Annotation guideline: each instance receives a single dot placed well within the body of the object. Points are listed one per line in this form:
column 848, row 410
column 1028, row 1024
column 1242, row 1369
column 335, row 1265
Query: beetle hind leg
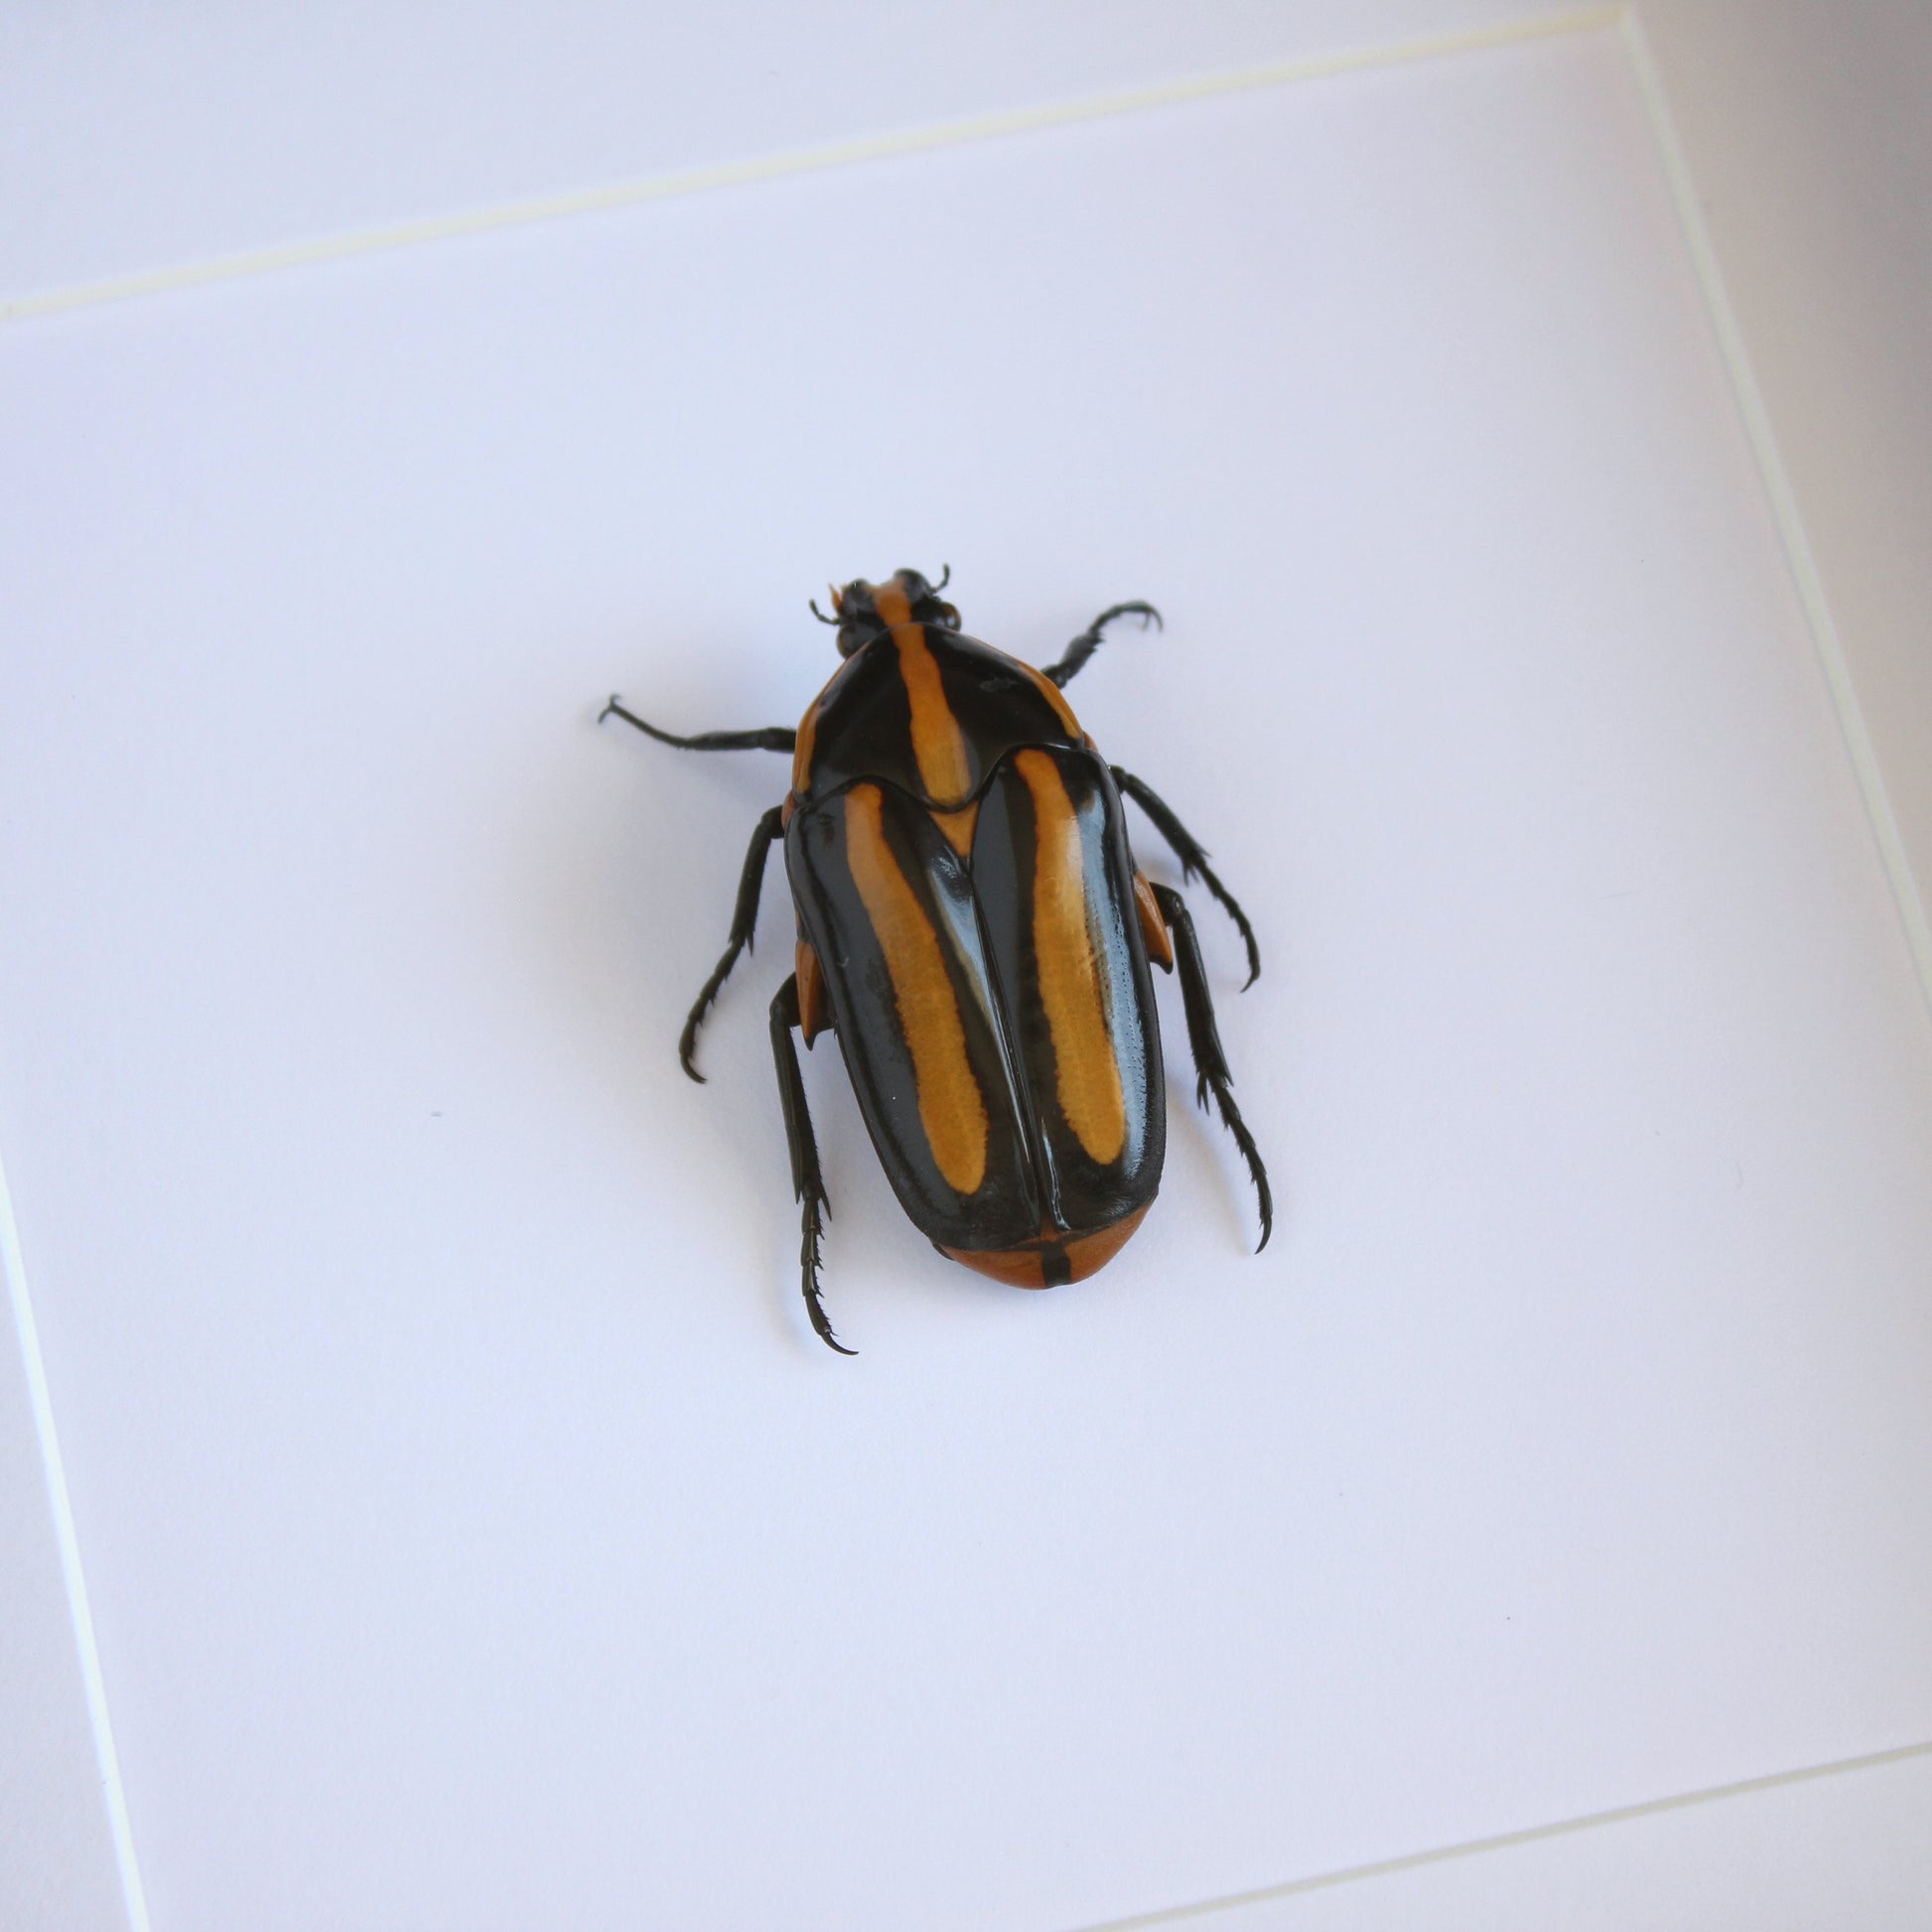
column 807, row 1183
column 745, row 918
column 1205, row 1040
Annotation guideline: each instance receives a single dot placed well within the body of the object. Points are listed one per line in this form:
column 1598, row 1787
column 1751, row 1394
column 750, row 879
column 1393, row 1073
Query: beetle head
column 866, row 610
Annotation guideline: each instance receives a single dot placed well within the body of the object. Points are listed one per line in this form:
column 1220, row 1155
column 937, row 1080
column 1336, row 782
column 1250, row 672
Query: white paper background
column 474, row 1530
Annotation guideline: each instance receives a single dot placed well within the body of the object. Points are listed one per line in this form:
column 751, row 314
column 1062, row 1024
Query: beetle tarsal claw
column 808, row 1261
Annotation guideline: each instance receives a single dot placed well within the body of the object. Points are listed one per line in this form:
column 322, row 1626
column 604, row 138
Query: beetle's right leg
column 1193, row 859
column 745, row 918
column 1205, row 1040
column 1088, row 642
column 807, row 1183
column 773, row 738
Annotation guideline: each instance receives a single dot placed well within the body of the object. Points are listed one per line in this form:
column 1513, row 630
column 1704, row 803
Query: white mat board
column 474, row 1531
column 144, row 139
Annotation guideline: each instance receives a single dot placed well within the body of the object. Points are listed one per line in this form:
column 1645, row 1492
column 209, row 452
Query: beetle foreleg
column 745, row 918
column 773, row 738
column 807, row 1183
column 1193, row 859
column 1088, row 642
column 1205, row 1040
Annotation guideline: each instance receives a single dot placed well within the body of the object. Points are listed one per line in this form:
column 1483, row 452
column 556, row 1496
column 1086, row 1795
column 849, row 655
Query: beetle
column 972, row 925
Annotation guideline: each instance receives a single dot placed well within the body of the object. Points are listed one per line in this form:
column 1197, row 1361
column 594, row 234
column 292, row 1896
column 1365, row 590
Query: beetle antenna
column 812, row 604
column 945, row 577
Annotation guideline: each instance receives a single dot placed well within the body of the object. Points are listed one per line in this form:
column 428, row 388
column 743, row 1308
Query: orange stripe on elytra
column 1070, row 978
column 945, row 768
column 951, row 1108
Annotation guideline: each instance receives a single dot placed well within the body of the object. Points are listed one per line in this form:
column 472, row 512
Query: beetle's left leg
column 807, row 1183
column 771, row 738
column 1088, row 642
column 1204, row 1040
column 745, row 918
column 1193, row 859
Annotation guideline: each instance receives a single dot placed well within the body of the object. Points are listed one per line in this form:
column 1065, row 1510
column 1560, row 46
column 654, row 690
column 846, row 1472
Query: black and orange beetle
column 972, row 927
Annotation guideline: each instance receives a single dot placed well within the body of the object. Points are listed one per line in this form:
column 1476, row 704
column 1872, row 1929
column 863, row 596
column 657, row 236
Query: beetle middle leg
column 1205, row 1040
column 1193, row 859
column 807, row 1183
column 1088, row 642
column 745, row 918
